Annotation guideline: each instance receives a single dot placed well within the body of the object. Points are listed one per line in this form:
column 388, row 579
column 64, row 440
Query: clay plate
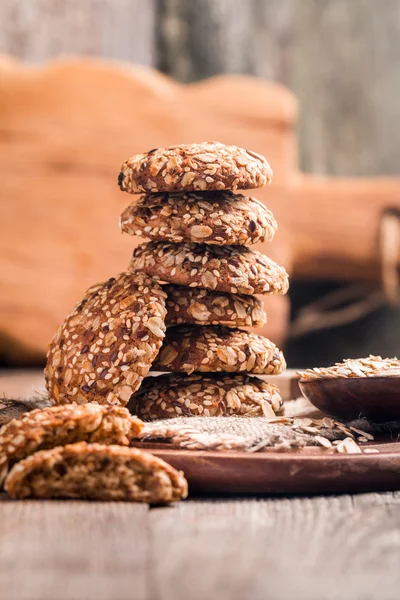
column 377, row 398
column 309, row 471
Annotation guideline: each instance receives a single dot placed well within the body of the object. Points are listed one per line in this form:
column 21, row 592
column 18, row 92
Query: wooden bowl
column 377, row 398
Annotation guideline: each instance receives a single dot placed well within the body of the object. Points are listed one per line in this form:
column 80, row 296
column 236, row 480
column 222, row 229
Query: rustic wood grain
column 304, row 548
column 204, row 38
column 345, row 72
column 39, row 29
column 339, row 57
column 320, row 548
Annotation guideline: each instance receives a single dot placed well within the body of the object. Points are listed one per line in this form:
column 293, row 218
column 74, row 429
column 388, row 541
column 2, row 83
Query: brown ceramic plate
column 377, row 398
column 309, row 471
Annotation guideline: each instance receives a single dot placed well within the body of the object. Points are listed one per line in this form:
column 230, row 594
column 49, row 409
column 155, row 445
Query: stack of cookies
column 199, row 231
column 179, row 308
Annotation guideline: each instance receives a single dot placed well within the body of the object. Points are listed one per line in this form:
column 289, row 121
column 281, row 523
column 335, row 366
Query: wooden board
column 60, row 155
column 309, row 471
column 321, row 548
column 71, row 142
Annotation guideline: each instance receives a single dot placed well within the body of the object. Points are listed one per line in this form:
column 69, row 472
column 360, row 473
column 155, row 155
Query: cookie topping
column 58, row 425
column 213, row 349
column 194, row 167
column 107, row 344
column 220, row 218
column 233, row 269
column 204, row 307
column 211, row 395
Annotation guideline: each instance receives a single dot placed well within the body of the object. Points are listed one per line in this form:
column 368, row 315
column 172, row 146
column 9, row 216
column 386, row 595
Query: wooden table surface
column 337, row 547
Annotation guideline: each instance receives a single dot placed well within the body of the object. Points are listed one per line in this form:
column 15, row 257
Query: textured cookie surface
column 196, row 306
column 221, row 218
column 209, row 349
column 59, row 425
column 234, row 269
column 175, row 395
column 191, row 167
column 106, row 346
column 97, row 472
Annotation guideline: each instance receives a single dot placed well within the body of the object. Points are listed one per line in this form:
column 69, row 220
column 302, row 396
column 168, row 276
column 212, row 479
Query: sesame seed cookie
column 175, row 395
column 194, row 167
column 233, row 269
column 58, row 425
column 221, row 218
column 96, row 472
column 195, row 306
column 106, row 346
column 211, row 349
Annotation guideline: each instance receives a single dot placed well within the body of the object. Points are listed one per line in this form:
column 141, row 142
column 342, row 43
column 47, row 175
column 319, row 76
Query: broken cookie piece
column 96, row 472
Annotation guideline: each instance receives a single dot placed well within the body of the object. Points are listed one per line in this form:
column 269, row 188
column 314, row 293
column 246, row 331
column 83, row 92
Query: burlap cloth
column 301, row 426
column 226, row 433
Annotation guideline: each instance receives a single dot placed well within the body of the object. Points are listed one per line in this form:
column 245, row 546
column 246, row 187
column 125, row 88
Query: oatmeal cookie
column 96, row 472
column 220, row 218
column 212, row 349
column 213, row 395
column 195, row 306
column 106, row 346
column 58, row 425
column 233, row 269
column 194, row 167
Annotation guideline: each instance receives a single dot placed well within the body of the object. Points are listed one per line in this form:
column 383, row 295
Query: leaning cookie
column 96, row 472
column 213, row 395
column 194, row 167
column 59, row 425
column 211, row 349
column 196, row 306
column 106, row 346
column 221, row 218
column 233, row 269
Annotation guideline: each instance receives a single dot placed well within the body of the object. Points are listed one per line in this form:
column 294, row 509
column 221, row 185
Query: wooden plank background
column 345, row 547
column 341, row 58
